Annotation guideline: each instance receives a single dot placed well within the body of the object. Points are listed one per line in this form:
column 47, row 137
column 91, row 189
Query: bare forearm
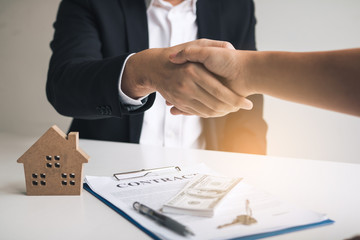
column 329, row 80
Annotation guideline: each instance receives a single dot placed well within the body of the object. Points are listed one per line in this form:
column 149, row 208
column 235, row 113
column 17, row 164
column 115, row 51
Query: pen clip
column 144, row 172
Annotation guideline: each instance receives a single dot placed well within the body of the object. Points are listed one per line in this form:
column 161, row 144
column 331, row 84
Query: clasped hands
column 201, row 78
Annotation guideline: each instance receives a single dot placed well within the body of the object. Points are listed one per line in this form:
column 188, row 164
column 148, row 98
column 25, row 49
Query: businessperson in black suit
column 91, row 42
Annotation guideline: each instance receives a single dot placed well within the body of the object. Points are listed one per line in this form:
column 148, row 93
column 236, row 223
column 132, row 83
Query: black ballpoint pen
column 162, row 219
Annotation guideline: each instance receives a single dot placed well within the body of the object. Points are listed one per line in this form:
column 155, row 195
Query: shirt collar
column 150, row 3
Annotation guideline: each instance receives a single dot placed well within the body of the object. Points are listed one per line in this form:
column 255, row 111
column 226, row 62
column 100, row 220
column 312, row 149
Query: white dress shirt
column 168, row 26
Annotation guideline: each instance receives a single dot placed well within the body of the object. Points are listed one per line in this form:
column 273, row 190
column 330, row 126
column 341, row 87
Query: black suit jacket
column 93, row 38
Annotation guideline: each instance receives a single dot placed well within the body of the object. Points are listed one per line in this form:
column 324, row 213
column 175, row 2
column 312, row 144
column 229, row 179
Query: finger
column 196, row 109
column 193, row 106
column 220, row 107
column 202, row 104
column 218, row 91
column 201, row 85
column 214, row 102
column 191, row 54
column 204, row 55
column 206, row 43
column 202, row 110
column 213, row 43
column 186, row 105
column 176, row 111
column 201, row 43
column 246, row 105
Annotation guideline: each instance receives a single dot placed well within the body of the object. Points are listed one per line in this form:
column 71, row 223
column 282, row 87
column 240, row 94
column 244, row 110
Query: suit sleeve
column 81, row 82
column 245, row 130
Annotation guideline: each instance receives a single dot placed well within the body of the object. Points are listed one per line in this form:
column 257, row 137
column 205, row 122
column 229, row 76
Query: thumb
column 190, row 54
column 191, row 49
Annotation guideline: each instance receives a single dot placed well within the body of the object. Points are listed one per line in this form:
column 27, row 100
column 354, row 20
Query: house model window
column 53, row 164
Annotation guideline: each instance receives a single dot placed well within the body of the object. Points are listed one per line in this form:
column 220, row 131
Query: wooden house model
column 53, row 164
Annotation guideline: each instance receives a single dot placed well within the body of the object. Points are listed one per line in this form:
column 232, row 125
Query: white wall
column 308, row 25
column 25, row 33
column 294, row 130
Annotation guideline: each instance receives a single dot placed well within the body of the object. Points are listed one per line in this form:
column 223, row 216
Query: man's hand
column 325, row 79
column 226, row 63
column 190, row 87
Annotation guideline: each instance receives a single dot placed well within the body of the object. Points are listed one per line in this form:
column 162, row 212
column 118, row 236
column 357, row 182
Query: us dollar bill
column 201, row 195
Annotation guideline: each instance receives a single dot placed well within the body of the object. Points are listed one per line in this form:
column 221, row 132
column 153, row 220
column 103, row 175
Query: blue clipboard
column 252, row 237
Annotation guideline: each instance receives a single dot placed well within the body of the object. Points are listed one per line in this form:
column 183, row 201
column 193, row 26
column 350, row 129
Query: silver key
column 241, row 219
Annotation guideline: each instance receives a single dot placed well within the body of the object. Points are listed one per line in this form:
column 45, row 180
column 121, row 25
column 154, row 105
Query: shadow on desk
column 14, row 188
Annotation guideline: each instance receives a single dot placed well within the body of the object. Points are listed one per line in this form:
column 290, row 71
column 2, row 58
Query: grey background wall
column 294, row 130
column 309, row 25
column 25, row 33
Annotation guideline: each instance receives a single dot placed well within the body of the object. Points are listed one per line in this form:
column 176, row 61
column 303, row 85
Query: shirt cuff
column 131, row 103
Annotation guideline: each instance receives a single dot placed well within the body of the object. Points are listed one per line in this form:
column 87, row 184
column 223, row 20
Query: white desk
column 329, row 187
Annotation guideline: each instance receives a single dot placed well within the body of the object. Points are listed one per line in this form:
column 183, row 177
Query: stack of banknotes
column 201, row 196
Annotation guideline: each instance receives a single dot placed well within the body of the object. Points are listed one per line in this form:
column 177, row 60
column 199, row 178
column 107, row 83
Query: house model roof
column 53, row 138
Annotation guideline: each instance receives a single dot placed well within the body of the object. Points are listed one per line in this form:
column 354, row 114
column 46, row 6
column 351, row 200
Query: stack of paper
column 201, row 195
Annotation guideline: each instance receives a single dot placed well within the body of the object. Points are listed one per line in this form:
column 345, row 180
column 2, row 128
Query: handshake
column 211, row 79
column 202, row 77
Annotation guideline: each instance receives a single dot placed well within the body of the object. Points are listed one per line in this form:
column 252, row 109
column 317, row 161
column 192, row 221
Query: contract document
column 269, row 216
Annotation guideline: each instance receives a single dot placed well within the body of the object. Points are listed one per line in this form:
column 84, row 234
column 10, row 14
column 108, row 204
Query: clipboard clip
column 144, row 172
